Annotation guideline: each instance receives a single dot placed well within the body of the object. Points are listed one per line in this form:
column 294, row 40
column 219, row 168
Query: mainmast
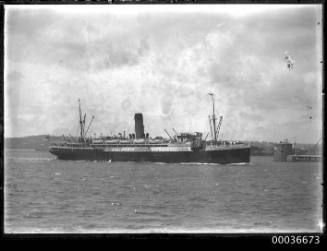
column 82, row 121
column 213, row 116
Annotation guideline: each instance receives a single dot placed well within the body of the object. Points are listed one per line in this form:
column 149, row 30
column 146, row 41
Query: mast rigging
column 213, row 118
column 219, row 125
column 168, row 134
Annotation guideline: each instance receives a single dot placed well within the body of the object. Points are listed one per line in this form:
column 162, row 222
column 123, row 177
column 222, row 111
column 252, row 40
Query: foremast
column 213, row 128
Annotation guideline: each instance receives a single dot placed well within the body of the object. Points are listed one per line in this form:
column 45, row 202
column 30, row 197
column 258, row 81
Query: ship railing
column 70, row 147
column 67, row 144
column 128, row 145
column 214, row 147
column 147, row 149
column 129, row 141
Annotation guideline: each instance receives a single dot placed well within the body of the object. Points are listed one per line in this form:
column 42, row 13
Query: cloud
column 163, row 64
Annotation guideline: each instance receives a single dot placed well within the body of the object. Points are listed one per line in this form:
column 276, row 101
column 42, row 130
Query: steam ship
column 139, row 146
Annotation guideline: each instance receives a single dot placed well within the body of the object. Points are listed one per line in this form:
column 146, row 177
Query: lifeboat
column 139, row 140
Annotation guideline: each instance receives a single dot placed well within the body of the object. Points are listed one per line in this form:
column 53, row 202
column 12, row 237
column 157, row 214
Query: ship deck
column 142, row 148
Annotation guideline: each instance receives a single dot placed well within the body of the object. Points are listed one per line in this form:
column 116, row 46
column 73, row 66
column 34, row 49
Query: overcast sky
column 162, row 61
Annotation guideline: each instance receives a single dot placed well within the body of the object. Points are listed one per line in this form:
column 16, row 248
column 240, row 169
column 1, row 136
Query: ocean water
column 46, row 195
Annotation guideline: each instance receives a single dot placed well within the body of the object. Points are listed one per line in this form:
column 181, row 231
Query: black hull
column 235, row 155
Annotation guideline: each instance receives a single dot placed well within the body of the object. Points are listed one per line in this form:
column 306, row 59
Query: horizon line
column 261, row 141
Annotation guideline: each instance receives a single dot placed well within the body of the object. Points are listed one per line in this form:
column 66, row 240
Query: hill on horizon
column 42, row 142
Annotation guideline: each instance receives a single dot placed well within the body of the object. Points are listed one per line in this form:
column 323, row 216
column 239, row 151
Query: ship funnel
column 139, row 128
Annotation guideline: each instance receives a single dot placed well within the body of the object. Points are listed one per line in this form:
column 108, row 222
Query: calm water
column 43, row 194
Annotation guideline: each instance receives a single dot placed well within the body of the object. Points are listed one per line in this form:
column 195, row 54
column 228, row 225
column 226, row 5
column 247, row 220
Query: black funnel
column 139, row 128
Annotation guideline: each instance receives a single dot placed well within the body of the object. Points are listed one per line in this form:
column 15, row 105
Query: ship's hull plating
column 235, row 155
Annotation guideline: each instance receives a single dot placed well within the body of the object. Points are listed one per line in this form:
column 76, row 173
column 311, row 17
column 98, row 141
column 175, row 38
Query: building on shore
column 282, row 150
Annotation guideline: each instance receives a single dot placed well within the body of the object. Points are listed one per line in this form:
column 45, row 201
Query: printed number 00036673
column 293, row 239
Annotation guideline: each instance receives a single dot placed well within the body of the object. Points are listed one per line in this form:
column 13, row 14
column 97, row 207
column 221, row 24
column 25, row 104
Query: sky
column 162, row 60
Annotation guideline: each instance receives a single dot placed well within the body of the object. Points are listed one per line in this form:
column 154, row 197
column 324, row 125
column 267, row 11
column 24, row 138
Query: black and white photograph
column 163, row 118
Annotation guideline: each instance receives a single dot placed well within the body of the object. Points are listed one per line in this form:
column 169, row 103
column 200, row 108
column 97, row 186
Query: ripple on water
column 140, row 196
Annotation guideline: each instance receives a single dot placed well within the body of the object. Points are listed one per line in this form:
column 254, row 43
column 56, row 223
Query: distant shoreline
column 42, row 143
column 21, row 149
column 60, row 137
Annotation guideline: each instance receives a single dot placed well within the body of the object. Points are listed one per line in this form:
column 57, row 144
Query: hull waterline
column 241, row 155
